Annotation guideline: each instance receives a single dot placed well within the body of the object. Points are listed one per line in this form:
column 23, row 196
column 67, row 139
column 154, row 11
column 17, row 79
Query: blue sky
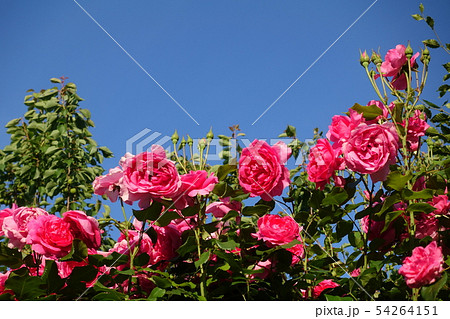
column 225, row 62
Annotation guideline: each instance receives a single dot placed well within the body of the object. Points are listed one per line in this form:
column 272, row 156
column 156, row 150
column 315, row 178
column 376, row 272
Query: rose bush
column 362, row 215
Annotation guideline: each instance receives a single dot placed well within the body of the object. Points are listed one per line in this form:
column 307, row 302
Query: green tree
column 51, row 156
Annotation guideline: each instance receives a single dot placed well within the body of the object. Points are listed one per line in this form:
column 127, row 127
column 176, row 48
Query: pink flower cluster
column 47, row 234
column 152, row 176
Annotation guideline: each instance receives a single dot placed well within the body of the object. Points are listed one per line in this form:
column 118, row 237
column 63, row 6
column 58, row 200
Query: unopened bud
column 202, row 144
column 364, row 59
column 409, row 51
column 425, row 57
column 376, row 58
column 210, row 134
column 183, row 142
column 175, row 137
column 190, row 141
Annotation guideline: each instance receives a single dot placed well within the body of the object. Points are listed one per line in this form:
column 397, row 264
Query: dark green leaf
column 78, row 252
column 431, row 43
column 337, row 197
column 430, row 22
column 423, row 194
column 189, row 246
column 151, row 213
column 429, row 293
column 337, row 298
column 156, row 293
column 25, row 287
column 421, row 207
column 204, row 257
column 167, row 217
column 224, row 170
column 370, row 112
column 226, row 245
column 161, row 282
column 390, row 217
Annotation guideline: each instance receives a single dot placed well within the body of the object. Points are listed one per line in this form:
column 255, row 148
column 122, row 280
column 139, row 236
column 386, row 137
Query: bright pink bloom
column 424, row 266
column 394, row 61
column 276, row 230
column 223, row 207
column 50, row 236
column 109, row 184
column 262, row 171
column 3, row 214
column 298, row 253
column 441, row 203
column 3, row 278
column 15, row 227
column 325, row 284
column 266, row 266
column 356, row 272
column 84, row 227
column 192, row 184
column 323, row 163
column 169, row 240
column 341, row 127
column 371, row 149
column 426, row 225
column 150, row 175
column 417, row 126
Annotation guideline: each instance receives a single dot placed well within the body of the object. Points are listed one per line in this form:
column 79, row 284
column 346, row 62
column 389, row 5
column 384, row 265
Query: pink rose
column 169, row 240
column 394, row 63
column 15, row 227
column 3, row 214
column 426, row 225
column 298, row 253
column 276, row 230
column 150, row 175
column 341, row 127
column 266, row 267
column 325, row 284
column 424, row 266
column 3, row 278
column 84, row 227
column 122, row 247
column 109, row 184
column 323, row 163
column 417, row 126
column 192, row 184
column 356, row 272
column 441, row 203
column 223, row 207
column 262, row 171
column 371, row 149
column 50, row 236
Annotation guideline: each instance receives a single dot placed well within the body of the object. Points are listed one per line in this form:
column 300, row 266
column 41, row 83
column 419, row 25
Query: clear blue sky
column 225, row 62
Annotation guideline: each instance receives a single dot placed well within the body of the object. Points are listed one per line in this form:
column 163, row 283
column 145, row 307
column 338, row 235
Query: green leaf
column 258, row 210
column 78, row 252
column 418, row 17
column 51, row 150
column 447, row 66
column 421, row 207
column 343, row 228
column 337, row 298
column 369, row 112
column 161, row 282
column 226, row 245
column 166, row 218
column 388, row 202
column 431, row 43
column 189, row 246
column 151, row 213
column 421, row 8
column 355, row 239
column 224, row 170
column 25, row 287
column 111, row 295
column 430, row 22
column 337, row 197
column 390, row 217
column 156, row 293
column 191, row 210
column 423, row 194
column 204, row 257
column 396, row 180
column 430, row 293
column 55, row 80
column 12, row 123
